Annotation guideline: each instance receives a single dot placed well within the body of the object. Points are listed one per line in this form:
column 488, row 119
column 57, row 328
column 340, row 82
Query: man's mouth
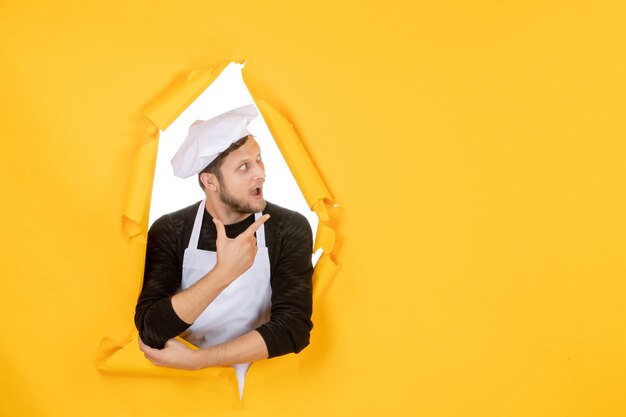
column 257, row 192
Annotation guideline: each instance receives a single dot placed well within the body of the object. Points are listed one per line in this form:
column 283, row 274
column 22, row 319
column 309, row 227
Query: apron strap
column 260, row 233
column 197, row 225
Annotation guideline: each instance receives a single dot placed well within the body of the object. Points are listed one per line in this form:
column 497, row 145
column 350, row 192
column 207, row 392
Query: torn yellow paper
column 135, row 215
column 158, row 115
column 325, row 271
column 320, row 209
column 304, row 171
column 164, row 109
column 324, row 238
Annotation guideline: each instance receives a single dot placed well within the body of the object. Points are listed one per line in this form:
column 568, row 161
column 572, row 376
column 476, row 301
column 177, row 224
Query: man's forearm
column 190, row 303
column 249, row 347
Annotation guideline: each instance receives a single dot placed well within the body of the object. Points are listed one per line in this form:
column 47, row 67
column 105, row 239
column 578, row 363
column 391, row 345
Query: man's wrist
column 197, row 362
column 205, row 358
column 221, row 276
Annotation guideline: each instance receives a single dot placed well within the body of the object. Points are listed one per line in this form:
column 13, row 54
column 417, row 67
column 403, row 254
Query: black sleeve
column 290, row 323
column 155, row 317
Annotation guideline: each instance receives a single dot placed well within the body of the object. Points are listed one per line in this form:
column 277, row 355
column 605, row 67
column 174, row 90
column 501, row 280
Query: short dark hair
column 216, row 164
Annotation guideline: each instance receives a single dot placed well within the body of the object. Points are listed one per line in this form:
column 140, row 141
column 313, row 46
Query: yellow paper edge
column 126, row 358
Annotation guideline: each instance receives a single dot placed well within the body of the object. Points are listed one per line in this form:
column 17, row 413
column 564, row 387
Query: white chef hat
column 208, row 138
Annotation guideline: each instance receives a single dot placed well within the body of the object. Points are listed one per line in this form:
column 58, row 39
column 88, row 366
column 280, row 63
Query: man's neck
column 224, row 213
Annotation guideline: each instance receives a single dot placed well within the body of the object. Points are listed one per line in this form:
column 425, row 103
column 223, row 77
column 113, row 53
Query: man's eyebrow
column 247, row 159
column 243, row 160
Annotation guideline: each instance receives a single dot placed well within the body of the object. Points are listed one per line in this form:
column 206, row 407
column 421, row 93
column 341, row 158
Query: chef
column 231, row 273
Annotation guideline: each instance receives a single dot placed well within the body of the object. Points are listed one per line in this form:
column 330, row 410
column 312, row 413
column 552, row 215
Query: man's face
column 243, row 175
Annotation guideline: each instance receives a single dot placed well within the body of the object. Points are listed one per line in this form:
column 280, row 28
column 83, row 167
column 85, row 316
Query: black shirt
column 290, row 243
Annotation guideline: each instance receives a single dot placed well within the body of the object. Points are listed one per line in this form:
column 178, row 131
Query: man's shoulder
column 279, row 212
column 284, row 217
column 178, row 219
column 185, row 212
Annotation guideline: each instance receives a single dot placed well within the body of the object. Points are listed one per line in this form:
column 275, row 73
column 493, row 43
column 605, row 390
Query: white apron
column 242, row 306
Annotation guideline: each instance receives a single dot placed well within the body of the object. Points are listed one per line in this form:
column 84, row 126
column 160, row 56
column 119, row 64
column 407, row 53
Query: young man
column 231, row 273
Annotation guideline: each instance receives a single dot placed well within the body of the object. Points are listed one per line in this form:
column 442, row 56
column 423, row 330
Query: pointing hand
column 236, row 256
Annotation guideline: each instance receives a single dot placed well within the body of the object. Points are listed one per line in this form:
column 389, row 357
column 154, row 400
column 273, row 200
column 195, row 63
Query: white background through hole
column 227, row 92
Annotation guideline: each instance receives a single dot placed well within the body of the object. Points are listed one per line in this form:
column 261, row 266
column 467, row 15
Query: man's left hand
column 175, row 354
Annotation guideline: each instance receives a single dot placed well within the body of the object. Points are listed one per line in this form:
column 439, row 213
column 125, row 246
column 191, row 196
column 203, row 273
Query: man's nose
column 259, row 172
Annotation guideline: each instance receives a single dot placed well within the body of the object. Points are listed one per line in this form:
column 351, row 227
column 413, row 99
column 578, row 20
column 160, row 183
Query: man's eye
column 243, row 167
column 258, row 158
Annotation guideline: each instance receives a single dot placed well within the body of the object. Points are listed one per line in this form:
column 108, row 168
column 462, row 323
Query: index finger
column 221, row 231
column 254, row 226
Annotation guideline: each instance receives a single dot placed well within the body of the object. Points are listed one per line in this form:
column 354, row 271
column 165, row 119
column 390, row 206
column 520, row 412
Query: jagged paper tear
column 126, row 358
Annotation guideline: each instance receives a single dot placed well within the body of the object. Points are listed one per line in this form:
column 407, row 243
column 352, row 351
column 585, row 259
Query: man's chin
column 255, row 207
column 243, row 206
column 259, row 206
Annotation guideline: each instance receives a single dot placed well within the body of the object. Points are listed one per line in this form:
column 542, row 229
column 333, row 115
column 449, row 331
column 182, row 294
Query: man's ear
column 209, row 181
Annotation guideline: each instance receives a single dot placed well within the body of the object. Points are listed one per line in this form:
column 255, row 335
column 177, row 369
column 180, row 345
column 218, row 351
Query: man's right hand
column 236, row 256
